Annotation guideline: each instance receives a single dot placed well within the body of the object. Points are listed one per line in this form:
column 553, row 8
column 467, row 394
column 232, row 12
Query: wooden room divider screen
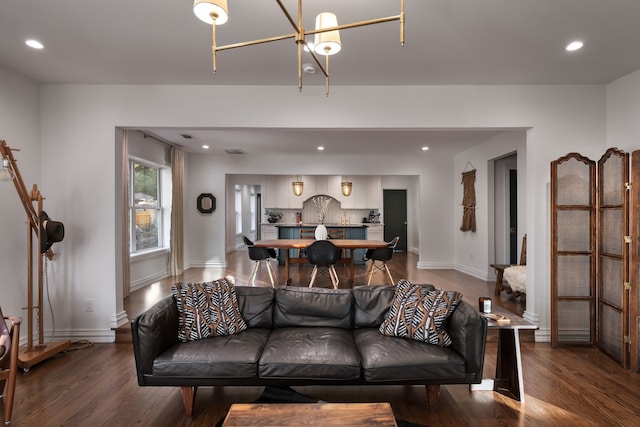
column 592, row 250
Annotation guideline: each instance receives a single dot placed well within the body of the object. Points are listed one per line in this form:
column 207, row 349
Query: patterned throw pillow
column 207, row 309
column 420, row 314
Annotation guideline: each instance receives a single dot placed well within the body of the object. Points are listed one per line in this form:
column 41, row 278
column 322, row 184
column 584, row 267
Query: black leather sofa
column 306, row 336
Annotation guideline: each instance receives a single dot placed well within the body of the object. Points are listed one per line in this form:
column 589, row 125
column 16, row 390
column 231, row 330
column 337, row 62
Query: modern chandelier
column 326, row 33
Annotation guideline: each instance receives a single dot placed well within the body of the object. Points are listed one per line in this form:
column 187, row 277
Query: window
column 146, row 207
column 238, row 197
column 252, row 209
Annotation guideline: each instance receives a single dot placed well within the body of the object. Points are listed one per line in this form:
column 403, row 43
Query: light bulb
column 5, row 173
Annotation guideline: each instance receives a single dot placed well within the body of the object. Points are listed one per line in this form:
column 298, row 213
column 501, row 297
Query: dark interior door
column 513, row 216
column 395, row 217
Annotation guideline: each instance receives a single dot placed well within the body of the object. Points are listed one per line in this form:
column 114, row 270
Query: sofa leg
column 189, row 398
column 432, row 395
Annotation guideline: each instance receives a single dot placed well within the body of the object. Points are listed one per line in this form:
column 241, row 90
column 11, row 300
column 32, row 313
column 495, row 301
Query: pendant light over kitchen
column 347, row 186
column 298, row 186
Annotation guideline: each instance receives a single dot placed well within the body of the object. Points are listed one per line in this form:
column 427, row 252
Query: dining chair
column 338, row 233
column 305, row 233
column 259, row 255
column 9, row 344
column 382, row 255
column 324, row 254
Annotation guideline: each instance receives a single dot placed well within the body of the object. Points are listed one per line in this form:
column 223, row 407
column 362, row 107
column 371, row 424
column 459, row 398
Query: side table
column 508, row 379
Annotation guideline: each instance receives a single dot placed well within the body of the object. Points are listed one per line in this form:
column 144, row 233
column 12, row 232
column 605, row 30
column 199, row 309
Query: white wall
column 623, row 113
column 475, row 251
column 80, row 145
column 20, row 128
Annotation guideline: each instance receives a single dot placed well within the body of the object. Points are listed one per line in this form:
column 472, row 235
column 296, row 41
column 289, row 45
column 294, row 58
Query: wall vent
column 234, row 151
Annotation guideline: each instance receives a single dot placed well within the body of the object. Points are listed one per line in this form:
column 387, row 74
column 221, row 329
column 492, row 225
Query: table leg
column 287, row 264
column 351, row 268
column 509, row 379
column 499, row 274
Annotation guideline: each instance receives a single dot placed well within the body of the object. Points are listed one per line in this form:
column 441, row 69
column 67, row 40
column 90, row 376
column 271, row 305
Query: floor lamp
column 44, row 232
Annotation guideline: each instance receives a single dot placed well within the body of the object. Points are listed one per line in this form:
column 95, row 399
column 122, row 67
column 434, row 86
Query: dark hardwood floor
column 97, row 386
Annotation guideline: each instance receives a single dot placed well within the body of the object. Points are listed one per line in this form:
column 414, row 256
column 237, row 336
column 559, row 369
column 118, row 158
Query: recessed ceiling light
column 425, row 148
column 320, row 148
column 574, row 45
column 206, row 147
column 34, row 44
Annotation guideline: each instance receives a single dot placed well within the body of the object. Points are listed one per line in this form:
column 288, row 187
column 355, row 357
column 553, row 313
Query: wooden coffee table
column 310, row 414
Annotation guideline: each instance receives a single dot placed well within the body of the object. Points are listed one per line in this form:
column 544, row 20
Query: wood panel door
column 634, row 292
column 573, row 251
column 613, row 255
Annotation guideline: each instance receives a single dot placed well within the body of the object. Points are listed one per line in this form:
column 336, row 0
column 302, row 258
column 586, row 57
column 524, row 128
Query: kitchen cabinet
column 359, row 193
column 375, row 232
column 374, row 192
column 277, row 192
column 268, row 232
column 270, row 192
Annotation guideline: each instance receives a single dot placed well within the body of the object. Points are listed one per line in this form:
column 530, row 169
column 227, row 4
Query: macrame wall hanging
column 469, row 199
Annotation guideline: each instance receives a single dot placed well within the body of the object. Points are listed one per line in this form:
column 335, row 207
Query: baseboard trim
column 147, row 280
column 93, row 335
column 207, row 264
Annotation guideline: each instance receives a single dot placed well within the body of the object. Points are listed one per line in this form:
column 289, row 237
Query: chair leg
column 371, row 272
column 270, row 273
column 313, row 275
column 334, row 276
column 388, row 273
column 254, row 271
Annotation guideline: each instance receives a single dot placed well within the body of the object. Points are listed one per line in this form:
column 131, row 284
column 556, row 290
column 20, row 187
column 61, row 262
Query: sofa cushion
column 207, row 309
column 371, row 304
column 312, row 307
column 256, row 305
column 419, row 313
column 310, row 353
column 388, row 359
column 230, row 356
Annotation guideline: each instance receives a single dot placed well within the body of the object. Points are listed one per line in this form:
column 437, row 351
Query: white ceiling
column 447, row 42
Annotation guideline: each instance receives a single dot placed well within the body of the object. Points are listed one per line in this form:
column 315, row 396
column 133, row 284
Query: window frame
column 159, row 208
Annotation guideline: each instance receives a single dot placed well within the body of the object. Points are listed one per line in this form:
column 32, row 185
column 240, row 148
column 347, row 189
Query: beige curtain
column 176, row 236
column 469, row 201
column 126, row 226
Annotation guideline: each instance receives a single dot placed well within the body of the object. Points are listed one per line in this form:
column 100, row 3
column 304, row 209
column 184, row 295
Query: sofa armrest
column 468, row 331
column 153, row 332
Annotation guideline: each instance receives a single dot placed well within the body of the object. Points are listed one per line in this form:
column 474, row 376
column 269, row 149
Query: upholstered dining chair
column 9, row 344
column 381, row 255
column 259, row 255
column 323, row 254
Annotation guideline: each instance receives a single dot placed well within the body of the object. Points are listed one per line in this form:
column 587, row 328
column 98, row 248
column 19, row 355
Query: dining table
column 348, row 244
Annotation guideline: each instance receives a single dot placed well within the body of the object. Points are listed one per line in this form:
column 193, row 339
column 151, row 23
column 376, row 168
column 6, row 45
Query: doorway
column 513, row 216
column 505, row 191
column 395, row 217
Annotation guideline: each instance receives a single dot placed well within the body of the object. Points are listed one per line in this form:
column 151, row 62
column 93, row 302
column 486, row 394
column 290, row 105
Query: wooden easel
column 41, row 351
